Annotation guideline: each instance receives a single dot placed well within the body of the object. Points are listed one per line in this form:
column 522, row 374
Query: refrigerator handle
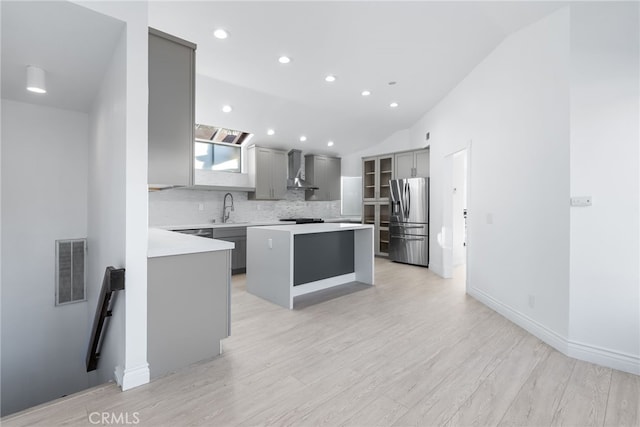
column 394, row 207
column 404, row 199
column 408, row 199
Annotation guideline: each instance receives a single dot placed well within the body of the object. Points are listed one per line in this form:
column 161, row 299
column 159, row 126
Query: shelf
column 370, row 173
column 386, row 171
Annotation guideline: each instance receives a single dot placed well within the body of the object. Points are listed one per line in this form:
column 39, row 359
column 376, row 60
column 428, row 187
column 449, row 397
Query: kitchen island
column 291, row 260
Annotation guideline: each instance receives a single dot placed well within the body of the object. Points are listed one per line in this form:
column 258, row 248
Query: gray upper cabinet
column 324, row 173
column 171, row 109
column 412, row 164
column 268, row 169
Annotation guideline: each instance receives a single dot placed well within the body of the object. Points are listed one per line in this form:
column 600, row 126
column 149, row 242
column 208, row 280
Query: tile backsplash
column 185, row 206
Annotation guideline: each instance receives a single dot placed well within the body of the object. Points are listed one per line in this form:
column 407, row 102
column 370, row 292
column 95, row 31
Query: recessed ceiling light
column 330, row 143
column 393, row 105
column 220, row 34
column 284, row 59
column 227, row 109
column 271, row 132
column 366, row 93
column 330, row 78
column 303, row 138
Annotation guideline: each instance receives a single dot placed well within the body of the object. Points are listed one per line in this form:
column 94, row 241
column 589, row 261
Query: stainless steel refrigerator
column 409, row 223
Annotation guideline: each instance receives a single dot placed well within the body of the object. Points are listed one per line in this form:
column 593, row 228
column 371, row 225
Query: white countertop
column 240, row 224
column 167, row 243
column 316, row 228
column 217, row 225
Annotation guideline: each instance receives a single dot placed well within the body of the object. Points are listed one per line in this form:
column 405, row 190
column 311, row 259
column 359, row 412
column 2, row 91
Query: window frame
column 226, row 144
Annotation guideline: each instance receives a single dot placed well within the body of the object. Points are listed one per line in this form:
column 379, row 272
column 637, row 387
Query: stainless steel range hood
column 295, row 180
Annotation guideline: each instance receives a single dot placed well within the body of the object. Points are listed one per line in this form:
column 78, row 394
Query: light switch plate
column 581, row 201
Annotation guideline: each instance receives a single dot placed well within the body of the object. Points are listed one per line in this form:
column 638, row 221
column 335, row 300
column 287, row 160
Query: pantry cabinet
column 377, row 214
column 376, row 173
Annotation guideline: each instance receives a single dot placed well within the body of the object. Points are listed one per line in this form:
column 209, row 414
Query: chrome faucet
column 225, row 213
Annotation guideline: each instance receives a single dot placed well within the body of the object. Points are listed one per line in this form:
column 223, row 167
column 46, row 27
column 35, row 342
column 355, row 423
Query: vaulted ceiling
column 425, row 47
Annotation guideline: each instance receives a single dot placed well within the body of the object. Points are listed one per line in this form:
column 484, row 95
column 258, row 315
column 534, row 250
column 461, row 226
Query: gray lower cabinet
column 171, row 110
column 323, row 172
column 188, row 303
column 237, row 235
column 268, row 169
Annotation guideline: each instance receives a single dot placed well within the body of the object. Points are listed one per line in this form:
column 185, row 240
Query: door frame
column 447, row 213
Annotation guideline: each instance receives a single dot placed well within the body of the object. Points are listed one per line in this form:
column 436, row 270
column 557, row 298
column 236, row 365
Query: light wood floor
column 413, row 350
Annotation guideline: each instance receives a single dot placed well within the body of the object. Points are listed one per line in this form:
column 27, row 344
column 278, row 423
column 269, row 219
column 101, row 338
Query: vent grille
column 70, row 271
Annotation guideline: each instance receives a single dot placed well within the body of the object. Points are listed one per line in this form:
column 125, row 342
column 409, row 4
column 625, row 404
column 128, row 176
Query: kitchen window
column 217, row 156
column 218, row 149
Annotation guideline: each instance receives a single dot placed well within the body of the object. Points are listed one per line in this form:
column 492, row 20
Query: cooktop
column 303, row 220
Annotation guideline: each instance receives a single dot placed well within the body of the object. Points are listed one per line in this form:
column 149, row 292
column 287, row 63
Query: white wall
column 44, row 198
column 134, row 370
column 605, row 259
column 107, row 204
column 398, row 141
column 552, row 112
column 514, row 107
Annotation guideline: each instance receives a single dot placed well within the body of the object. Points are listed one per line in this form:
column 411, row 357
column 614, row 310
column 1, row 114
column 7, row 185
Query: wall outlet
column 489, row 218
column 270, row 243
column 581, row 201
column 200, row 206
column 532, row 301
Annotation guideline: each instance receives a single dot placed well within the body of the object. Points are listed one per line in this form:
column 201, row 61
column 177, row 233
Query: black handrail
column 113, row 281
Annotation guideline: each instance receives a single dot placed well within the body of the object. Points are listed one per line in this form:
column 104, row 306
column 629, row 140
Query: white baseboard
column 130, row 378
column 602, row 356
column 598, row 355
column 545, row 334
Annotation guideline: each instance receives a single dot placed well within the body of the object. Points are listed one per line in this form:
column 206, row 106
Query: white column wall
column 605, row 256
column 132, row 370
column 106, row 213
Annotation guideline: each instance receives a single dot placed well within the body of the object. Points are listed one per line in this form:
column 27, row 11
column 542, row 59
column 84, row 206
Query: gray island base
column 287, row 261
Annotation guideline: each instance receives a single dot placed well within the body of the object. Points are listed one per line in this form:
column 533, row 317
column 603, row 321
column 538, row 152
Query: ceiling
column 426, row 47
column 71, row 43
